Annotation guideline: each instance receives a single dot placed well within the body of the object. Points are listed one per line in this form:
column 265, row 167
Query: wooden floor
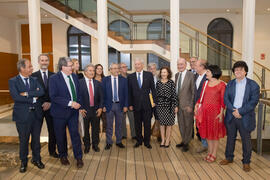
column 141, row 163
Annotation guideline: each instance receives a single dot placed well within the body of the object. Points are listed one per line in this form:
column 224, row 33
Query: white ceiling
column 17, row 9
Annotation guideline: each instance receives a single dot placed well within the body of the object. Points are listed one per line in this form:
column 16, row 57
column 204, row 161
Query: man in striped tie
column 65, row 103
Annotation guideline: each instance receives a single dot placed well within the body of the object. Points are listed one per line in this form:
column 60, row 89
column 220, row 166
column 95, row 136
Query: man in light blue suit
column 241, row 97
column 115, row 94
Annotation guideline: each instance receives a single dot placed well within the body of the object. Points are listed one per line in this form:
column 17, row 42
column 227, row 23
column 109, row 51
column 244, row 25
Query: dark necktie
column 27, row 84
column 91, row 94
column 72, row 87
column 179, row 83
column 115, row 98
column 45, row 79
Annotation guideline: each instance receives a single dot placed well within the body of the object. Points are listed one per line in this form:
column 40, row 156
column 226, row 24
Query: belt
column 32, row 108
column 116, row 102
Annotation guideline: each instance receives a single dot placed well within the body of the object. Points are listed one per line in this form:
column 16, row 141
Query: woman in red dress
column 212, row 125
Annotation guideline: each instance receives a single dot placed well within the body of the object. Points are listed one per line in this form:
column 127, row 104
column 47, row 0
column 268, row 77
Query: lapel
column 185, row 80
column 31, row 80
column 61, row 77
column 85, row 87
column 95, row 87
column 233, row 88
column 202, row 81
column 41, row 79
column 247, row 89
column 136, row 80
column 144, row 79
column 110, row 86
column 21, row 83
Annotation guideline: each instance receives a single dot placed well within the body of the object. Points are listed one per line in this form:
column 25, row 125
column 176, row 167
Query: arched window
column 79, row 46
column 222, row 30
column 157, row 30
column 121, row 28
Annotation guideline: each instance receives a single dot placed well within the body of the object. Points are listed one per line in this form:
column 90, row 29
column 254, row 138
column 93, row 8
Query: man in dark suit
column 43, row 76
column 185, row 87
column 27, row 112
column 91, row 107
column 65, row 103
column 241, row 97
column 115, row 92
column 140, row 85
column 200, row 78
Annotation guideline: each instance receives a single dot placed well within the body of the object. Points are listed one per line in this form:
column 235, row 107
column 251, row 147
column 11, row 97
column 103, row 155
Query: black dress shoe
column 137, row 145
column 55, row 155
column 185, row 148
column 134, row 138
column 108, row 146
column 180, row 145
column 23, row 167
column 39, row 164
column 120, row 145
column 148, row 146
column 79, row 163
column 86, row 150
column 95, row 148
column 124, row 137
column 64, row 161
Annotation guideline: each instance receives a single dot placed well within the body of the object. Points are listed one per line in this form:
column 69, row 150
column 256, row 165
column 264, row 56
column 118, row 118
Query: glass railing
column 155, row 26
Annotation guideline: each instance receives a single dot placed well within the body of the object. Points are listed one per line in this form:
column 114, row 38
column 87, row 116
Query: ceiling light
column 45, row 15
column 227, row 10
column 268, row 9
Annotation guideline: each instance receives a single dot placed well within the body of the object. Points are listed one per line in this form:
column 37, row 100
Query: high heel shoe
column 167, row 146
column 162, row 145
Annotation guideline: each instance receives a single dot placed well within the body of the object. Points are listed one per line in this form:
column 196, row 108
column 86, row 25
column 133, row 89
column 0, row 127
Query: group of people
column 61, row 97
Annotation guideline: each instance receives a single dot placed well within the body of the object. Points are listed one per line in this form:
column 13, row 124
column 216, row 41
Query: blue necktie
column 115, row 94
column 27, row 84
column 139, row 80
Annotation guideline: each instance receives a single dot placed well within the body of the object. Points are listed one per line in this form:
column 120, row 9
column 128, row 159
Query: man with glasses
column 65, row 103
column 115, row 95
column 123, row 72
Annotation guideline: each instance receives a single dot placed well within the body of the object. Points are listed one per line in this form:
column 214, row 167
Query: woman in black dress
column 167, row 104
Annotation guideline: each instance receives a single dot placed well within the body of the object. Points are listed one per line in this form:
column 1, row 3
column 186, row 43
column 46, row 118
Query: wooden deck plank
column 130, row 162
column 121, row 164
column 148, row 163
column 112, row 164
column 140, row 169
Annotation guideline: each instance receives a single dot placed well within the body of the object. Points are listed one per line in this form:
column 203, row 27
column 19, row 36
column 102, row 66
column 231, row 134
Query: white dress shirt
column 112, row 81
column 68, row 85
column 42, row 74
column 199, row 79
column 182, row 78
column 87, row 84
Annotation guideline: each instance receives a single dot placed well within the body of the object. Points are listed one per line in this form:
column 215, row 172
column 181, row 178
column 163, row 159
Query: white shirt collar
column 139, row 72
column 43, row 71
column 23, row 77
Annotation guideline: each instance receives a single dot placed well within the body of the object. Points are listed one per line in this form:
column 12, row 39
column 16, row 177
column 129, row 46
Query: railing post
column 190, row 47
column 197, row 44
column 80, row 6
column 263, row 83
column 259, row 129
column 66, row 3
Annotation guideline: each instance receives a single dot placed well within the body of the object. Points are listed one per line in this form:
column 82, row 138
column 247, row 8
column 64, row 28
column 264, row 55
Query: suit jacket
column 139, row 97
column 186, row 94
column 60, row 95
column 22, row 103
column 199, row 90
column 98, row 95
column 45, row 97
column 122, row 92
column 247, row 111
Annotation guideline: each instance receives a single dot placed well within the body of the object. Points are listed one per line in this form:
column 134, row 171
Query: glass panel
column 112, row 56
column 126, row 58
column 121, row 27
column 73, row 46
column 86, row 59
column 85, row 45
column 152, row 58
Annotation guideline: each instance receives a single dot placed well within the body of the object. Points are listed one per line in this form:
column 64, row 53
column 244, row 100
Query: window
column 152, row 58
column 158, row 29
column 117, row 57
column 121, row 28
column 79, row 46
column 222, row 30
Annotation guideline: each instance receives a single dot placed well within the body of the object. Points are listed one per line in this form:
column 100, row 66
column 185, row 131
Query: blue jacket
column 122, row 92
column 247, row 111
column 22, row 103
column 60, row 95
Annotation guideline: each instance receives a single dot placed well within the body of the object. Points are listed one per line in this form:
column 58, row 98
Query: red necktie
column 91, row 94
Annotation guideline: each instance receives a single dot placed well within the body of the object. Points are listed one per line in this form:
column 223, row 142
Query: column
column 248, row 34
column 34, row 31
column 102, row 34
column 175, row 34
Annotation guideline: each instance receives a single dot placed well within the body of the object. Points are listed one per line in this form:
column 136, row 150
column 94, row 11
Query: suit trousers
column 117, row 114
column 232, row 127
column 92, row 119
column 185, row 123
column 25, row 129
column 50, row 128
column 131, row 124
column 60, row 125
column 143, row 116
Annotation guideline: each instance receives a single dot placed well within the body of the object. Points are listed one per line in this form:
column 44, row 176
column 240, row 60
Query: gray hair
column 113, row 64
column 63, row 61
column 89, row 65
column 44, row 54
column 21, row 64
column 139, row 59
column 151, row 65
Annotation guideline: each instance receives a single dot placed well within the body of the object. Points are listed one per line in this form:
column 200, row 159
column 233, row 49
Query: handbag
column 199, row 113
column 156, row 129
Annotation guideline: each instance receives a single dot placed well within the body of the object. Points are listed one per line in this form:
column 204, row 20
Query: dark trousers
column 143, row 116
column 117, row 114
column 95, row 123
column 25, row 129
column 232, row 127
column 50, row 128
column 60, row 125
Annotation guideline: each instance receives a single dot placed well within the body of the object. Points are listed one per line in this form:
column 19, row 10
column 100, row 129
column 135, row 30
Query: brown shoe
column 64, row 161
column 225, row 162
column 246, row 167
column 79, row 163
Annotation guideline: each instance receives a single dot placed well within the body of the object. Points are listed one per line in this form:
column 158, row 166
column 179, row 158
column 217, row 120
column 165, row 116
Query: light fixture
column 268, row 9
column 45, row 15
column 227, row 10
